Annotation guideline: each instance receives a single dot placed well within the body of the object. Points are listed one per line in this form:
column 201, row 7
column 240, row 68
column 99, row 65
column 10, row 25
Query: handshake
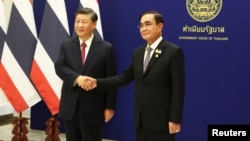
column 85, row 82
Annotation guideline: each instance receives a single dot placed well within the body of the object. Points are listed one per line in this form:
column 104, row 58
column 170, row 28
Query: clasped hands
column 85, row 82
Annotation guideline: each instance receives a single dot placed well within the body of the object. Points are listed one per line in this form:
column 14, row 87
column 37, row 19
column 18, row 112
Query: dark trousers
column 83, row 132
column 147, row 135
column 78, row 130
column 143, row 134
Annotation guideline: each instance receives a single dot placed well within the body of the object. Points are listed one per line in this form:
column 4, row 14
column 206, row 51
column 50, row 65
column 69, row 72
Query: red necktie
column 83, row 46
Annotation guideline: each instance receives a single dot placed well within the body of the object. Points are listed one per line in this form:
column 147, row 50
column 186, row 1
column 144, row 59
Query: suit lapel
column 140, row 57
column 77, row 51
column 93, row 48
column 158, row 52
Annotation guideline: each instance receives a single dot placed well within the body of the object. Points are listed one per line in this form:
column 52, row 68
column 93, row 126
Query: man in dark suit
column 84, row 112
column 159, row 86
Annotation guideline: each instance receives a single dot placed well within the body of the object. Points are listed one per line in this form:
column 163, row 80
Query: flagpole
column 20, row 130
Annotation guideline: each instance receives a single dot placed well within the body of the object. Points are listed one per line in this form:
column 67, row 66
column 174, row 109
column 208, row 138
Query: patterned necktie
column 83, row 46
column 147, row 59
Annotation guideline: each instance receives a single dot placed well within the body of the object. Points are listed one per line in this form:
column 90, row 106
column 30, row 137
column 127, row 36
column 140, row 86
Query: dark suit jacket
column 159, row 92
column 100, row 62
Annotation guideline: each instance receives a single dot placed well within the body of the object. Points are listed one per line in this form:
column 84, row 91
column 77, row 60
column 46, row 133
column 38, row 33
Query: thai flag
column 18, row 49
column 5, row 106
column 54, row 29
column 93, row 4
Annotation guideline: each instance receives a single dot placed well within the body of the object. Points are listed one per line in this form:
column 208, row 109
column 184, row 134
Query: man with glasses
column 157, row 68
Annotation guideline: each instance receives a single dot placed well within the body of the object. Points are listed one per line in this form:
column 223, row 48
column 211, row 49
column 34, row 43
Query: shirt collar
column 155, row 44
column 87, row 42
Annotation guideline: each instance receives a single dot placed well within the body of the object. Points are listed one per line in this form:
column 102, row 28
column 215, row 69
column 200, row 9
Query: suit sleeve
column 111, row 70
column 178, row 86
column 62, row 69
column 117, row 81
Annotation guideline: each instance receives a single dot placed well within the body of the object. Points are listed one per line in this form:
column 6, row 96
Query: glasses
column 147, row 25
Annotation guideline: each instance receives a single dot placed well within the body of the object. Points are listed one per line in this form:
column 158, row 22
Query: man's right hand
column 87, row 83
